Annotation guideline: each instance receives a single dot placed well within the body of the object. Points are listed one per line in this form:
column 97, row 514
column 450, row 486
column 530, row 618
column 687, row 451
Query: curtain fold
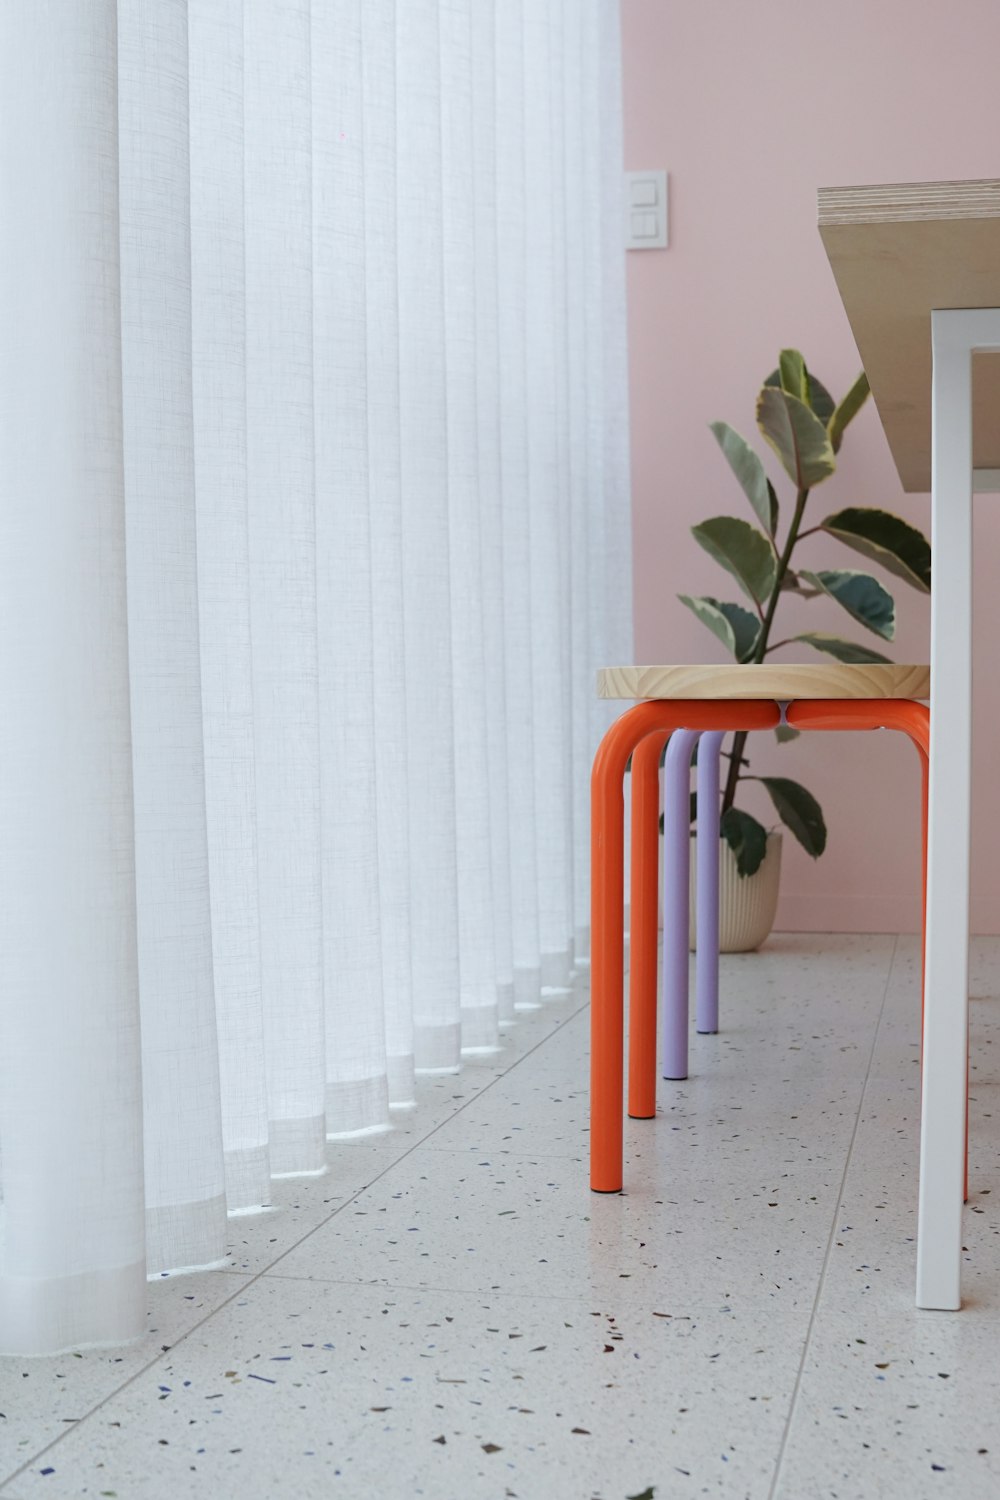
column 356, row 1075
column 378, row 89
column 512, row 233
column 423, row 465
column 72, row 1233
column 185, row 1186
column 219, row 344
column 343, row 364
column 487, row 483
column 478, row 991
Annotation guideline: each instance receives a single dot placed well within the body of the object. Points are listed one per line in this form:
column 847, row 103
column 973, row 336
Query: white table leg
column 945, row 1040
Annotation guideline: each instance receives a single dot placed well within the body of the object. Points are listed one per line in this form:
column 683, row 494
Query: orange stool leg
column 607, row 1014
column 643, row 944
column 607, row 891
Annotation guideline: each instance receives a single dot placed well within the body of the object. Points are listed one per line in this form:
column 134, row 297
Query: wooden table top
column 898, row 251
column 777, row 683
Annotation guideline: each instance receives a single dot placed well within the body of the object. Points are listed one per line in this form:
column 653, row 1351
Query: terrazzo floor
column 450, row 1313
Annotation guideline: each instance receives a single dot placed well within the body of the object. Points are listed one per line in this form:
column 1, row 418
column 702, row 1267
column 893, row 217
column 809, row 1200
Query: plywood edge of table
column 775, row 683
column 903, row 202
column 898, row 250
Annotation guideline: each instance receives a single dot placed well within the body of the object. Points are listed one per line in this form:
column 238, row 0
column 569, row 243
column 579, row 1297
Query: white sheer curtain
column 314, row 311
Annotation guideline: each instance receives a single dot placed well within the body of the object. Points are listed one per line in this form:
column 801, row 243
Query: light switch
column 646, row 210
column 644, row 226
column 644, row 194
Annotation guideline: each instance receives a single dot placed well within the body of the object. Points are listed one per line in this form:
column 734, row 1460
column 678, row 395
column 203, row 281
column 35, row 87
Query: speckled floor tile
column 482, row 1220
column 770, row 1051
column 521, row 1225
column 300, row 1204
column 441, row 1098
column 327, row 1390
column 895, row 1401
column 41, row 1398
column 451, row 1313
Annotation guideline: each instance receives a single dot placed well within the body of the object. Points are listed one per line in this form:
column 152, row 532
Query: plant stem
column 760, row 648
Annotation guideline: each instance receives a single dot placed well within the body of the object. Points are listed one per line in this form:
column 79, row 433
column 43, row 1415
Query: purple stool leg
column 707, row 963
column 676, row 903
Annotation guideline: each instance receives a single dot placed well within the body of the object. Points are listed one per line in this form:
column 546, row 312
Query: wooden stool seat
column 779, row 683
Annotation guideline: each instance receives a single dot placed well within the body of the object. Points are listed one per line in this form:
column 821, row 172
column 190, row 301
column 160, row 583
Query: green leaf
column 861, row 595
column 799, row 811
column 735, row 626
column 792, row 369
column 742, row 550
column 797, row 436
column 785, row 732
column 820, row 400
column 818, row 396
column 749, row 471
column 708, row 612
column 746, row 837
column 848, row 410
column 647, row 1494
column 883, row 538
column 745, row 628
column 847, row 651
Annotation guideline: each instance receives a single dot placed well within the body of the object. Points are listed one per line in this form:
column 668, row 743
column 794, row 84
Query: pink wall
column 751, row 108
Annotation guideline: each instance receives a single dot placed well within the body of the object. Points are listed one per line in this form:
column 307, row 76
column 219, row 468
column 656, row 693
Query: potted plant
column 804, row 426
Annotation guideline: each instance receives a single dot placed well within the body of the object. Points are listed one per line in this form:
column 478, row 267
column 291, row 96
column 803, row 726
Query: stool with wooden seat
column 696, row 698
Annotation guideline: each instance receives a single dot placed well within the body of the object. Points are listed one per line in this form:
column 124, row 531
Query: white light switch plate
column 646, row 210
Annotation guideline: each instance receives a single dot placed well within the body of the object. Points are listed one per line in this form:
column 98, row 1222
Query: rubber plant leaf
column 734, row 626
column 745, row 628
column 861, row 595
column 885, row 539
column 750, row 472
column 785, row 732
column 799, row 811
column 746, row 837
column 818, row 397
column 743, row 551
column 792, row 370
column 846, row 651
column 848, row 410
column 797, row 436
column 708, row 612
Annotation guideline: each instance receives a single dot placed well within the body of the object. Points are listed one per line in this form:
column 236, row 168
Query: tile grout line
column 796, row 1389
column 423, row 1140
column 258, row 1275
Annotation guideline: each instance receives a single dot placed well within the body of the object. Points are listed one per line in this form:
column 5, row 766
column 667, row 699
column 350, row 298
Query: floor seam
column 796, row 1388
column 252, row 1278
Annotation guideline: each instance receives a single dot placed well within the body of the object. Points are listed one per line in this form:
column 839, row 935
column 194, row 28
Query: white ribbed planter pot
column 746, row 904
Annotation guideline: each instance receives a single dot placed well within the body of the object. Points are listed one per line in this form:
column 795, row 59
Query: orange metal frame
column 607, row 897
column 641, row 732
